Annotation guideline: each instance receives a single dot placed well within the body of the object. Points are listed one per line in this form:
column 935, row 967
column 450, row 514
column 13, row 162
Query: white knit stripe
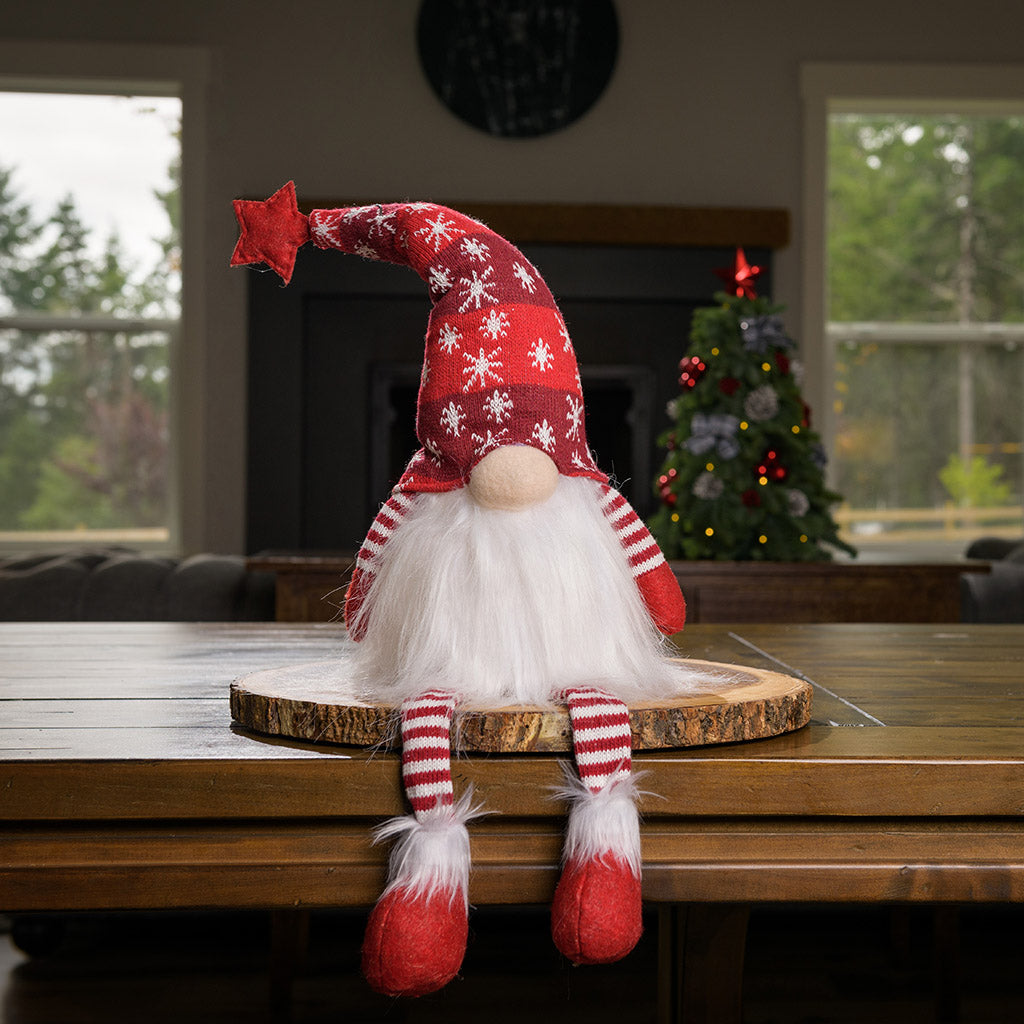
column 642, row 568
column 421, row 742
column 593, row 710
column 604, row 732
column 586, row 759
column 417, row 793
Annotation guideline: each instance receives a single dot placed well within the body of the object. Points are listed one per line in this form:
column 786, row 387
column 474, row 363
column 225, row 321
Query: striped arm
column 426, row 750
column 601, row 739
column 653, row 575
column 384, row 525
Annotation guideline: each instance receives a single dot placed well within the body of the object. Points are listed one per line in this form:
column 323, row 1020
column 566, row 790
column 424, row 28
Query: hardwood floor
column 804, row 966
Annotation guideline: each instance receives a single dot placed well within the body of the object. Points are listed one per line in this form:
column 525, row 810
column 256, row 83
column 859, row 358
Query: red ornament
column 665, row 482
column 740, row 277
column 782, row 362
column 771, row 468
column 728, row 385
column 751, row 498
column 806, row 421
column 693, row 369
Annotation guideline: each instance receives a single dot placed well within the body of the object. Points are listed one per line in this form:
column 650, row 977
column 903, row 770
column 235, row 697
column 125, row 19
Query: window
column 90, row 300
column 922, row 310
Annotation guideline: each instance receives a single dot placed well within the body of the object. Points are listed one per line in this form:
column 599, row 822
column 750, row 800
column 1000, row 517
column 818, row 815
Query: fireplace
column 335, row 358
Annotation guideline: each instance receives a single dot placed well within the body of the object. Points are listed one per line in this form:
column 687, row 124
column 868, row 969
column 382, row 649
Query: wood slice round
column 728, row 704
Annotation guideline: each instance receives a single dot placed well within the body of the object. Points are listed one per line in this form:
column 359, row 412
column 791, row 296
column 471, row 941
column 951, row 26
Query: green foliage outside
column 743, row 474
column 975, row 482
column 924, row 226
column 83, row 414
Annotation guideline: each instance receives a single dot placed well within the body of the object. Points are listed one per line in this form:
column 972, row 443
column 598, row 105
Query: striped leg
column 416, row 936
column 596, row 912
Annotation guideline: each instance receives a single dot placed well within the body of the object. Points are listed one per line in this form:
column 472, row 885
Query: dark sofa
column 119, row 584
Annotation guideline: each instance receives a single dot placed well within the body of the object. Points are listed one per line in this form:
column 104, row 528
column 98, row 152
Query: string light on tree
column 743, row 475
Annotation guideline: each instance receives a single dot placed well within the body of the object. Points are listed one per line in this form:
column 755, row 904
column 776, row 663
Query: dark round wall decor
column 518, row 68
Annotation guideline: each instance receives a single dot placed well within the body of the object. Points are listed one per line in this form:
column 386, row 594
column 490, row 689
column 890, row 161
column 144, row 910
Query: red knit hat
column 498, row 367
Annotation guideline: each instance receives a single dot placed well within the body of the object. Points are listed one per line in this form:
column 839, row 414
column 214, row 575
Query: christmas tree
column 743, row 477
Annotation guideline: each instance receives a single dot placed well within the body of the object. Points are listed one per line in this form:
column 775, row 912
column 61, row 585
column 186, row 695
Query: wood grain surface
column 725, row 704
column 125, row 783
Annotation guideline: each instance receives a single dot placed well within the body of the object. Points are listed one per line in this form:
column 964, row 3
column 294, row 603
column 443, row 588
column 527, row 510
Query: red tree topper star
column 740, row 277
column 271, row 231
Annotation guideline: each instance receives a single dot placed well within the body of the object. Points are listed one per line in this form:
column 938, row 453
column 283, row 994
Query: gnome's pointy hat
column 498, row 367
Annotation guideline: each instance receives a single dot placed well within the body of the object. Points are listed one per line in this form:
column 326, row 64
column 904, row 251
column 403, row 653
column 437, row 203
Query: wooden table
column 124, row 785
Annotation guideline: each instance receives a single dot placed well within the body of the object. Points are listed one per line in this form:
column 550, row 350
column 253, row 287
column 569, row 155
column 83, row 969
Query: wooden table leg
column 289, row 940
column 700, row 963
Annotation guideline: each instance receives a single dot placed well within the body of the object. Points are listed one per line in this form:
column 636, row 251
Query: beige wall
column 704, row 109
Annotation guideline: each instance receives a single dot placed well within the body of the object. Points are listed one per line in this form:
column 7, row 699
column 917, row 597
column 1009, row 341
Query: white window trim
column 153, row 70
column 871, row 88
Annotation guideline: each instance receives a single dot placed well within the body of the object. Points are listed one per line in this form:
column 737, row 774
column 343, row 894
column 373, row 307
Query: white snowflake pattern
column 448, row 338
column 440, row 279
column 498, row 406
column 325, row 228
column 477, row 290
column 574, row 417
column 580, row 463
column 544, row 433
column 475, row 249
column 366, row 251
column 355, row 212
column 563, row 331
column 433, row 450
column 524, row 277
column 540, row 355
column 482, row 445
column 494, row 324
column 480, row 368
column 451, row 419
column 425, row 374
column 380, row 221
column 438, row 231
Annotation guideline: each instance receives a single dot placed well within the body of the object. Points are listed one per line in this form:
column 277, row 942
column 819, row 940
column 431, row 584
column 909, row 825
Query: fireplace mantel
column 617, row 224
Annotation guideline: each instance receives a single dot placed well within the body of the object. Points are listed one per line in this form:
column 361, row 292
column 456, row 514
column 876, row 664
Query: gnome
column 503, row 569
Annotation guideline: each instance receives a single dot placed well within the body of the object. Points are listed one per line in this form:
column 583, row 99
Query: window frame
column 830, row 88
column 147, row 71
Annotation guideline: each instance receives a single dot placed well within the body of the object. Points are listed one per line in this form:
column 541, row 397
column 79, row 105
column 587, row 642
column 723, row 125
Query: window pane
column 924, row 236
column 84, row 421
column 89, row 238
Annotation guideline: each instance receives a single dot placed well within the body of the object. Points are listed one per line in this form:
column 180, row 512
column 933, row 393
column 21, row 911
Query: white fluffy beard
column 509, row 607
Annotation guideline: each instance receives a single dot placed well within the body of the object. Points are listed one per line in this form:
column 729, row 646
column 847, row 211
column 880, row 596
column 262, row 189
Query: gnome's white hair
column 509, row 607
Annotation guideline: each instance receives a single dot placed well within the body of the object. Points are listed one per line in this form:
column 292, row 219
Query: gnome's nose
column 513, row 477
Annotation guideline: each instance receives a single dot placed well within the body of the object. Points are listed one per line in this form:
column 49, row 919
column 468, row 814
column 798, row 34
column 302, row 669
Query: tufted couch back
column 117, row 584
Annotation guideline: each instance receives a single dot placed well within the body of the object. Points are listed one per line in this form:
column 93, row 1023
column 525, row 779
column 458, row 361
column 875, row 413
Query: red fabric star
column 740, row 277
column 272, row 231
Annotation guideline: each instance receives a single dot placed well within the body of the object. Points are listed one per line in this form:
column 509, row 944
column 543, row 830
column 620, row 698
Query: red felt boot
column 414, row 944
column 596, row 913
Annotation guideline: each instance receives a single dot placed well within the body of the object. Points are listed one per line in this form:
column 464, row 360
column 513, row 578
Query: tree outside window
column 925, row 309
column 88, row 311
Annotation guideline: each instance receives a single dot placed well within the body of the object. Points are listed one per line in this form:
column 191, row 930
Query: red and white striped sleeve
column 384, row 525
column 658, row 585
